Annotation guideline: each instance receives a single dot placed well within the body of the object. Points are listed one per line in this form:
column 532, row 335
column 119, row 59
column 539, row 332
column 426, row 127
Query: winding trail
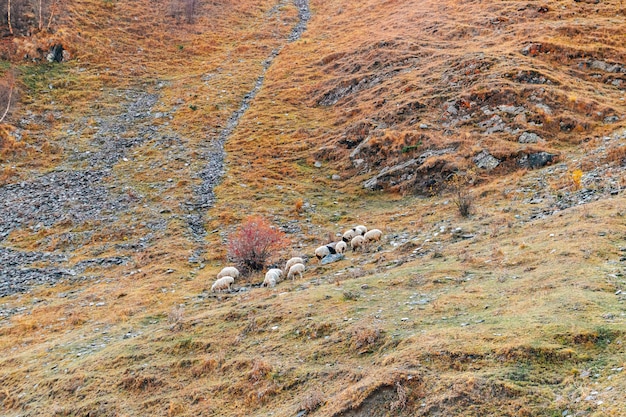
column 215, row 154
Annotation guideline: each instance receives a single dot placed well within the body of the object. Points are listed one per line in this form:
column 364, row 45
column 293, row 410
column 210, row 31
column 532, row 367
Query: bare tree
column 44, row 10
column 24, row 15
column 7, row 93
column 9, row 16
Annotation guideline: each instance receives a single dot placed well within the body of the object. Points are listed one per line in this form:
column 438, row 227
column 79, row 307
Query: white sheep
column 360, row 229
column 293, row 261
column 323, row 251
column 373, row 235
column 222, row 283
column 357, row 242
column 296, row 269
column 348, row 235
column 278, row 272
column 229, row 271
column 341, row 247
column 271, row 278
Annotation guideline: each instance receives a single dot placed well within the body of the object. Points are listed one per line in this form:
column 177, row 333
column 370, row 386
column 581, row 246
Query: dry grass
column 503, row 323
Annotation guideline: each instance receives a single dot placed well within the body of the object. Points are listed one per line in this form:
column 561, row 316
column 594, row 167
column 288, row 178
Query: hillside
column 125, row 169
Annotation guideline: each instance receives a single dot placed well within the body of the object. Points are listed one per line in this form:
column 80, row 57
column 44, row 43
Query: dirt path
column 214, row 153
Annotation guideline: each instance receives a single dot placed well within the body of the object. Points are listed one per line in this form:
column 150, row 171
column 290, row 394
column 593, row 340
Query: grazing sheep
column 357, row 242
column 296, row 269
column 229, row 271
column 278, row 272
column 324, row 251
column 222, row 283
column 348, row 235
column 271, row 278
column 293, row 261
column 373, row 235
column 360, row 229
column 341, row 247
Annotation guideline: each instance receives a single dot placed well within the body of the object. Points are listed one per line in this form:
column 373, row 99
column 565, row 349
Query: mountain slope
column 113, row 229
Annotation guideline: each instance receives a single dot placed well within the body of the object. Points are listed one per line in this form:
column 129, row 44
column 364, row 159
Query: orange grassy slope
column 517, row 310
column 437, row 83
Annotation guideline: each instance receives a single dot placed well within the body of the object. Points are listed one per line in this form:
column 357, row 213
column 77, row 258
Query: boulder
column 486, row 161
column 537, row 160
column 529, row 137
column 333, row 257
column 402, row 172
column 56, row 53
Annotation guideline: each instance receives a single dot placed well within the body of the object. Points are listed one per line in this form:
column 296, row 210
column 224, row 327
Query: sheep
column 293, row 261
column 278, row 272
column 295, row 269
column 357, row 242
column 222, row 283
column 269, row 281
column 341, row 247
column 271, row 278
column 348, row 235
column 324, row 251
column 373, row 235
column 229, row 271
column 361, row 229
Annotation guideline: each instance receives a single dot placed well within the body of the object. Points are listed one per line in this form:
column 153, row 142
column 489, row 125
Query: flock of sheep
column 358, row 238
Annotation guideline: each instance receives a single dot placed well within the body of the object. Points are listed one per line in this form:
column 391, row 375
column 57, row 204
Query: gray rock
column 389, row 175
column 537, row 160
column 333, row 257
column 493, row 125
column 486, row 161
column 511, row 109
column 529, row 137
column 543, row 107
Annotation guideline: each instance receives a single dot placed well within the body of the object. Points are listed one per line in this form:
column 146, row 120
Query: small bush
column 252, row 245
column 400, row 403
column 350, row 295
column 461, row 196
column 312, row 401
column 365, row 339
column 577, row 176
column 617, row 155
column 298, row 205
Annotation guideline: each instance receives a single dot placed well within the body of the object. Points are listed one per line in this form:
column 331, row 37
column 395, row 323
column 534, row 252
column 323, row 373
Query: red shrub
column 252, row 245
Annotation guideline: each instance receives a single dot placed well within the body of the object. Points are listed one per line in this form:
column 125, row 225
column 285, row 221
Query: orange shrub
column 252, row 245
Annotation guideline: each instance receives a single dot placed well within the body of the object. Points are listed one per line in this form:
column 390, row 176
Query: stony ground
column 87, row 193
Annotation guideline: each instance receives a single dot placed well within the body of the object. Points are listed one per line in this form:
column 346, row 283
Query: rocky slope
column 122, row 180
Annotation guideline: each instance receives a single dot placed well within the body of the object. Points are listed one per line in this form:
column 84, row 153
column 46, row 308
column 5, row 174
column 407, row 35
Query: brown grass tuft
column 140, row 383
column 363, row 340
column 176, row 318
column 313, row 400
